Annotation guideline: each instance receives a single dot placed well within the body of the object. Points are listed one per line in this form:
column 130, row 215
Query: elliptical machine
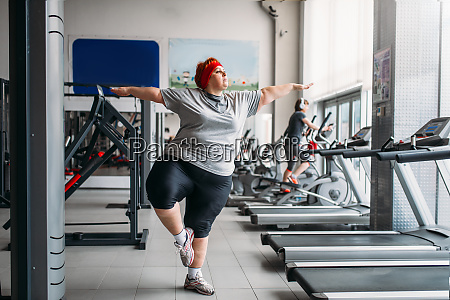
column 335, row 184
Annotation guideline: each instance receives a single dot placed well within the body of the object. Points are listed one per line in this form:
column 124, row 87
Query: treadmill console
column 363, row 134
column 361, row 138
column 435, row 132
column 438, row 126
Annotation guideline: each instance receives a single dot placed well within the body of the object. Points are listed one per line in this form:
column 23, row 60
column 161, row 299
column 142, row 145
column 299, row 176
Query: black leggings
column 171, row 181
column 292, row 148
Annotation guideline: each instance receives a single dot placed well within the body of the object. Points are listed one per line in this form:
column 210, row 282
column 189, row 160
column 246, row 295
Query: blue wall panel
column 114, row 63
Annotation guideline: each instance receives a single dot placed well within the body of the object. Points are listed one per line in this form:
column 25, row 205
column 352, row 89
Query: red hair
column 204, row 71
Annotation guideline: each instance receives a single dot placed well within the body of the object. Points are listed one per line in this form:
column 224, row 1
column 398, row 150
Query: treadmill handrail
column 368, row 263
column 360, row 248
column 421, row 156
column 360, row 153
column 411, row 295
column 324, row 232
column 330, row 152
column 390, row 155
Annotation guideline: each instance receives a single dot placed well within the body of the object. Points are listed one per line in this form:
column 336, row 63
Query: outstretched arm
column 315, row 127
column 144, row 93
column 270, row 93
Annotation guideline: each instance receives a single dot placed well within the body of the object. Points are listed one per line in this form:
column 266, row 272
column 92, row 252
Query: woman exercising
column 197, row 164
column 297, row 123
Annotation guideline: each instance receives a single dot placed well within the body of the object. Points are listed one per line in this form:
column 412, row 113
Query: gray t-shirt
column 210, row 126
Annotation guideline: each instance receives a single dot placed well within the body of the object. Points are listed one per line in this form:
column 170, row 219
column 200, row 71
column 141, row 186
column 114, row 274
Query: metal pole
column 19, row 63
column 415, row 197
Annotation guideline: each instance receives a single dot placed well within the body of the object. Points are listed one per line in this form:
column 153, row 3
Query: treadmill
column 424, row 276
column 269, row 194
column 366, row 280
column 359, row 245
column 340, row 213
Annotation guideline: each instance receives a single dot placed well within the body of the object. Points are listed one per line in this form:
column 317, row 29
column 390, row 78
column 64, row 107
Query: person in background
column 296, row 127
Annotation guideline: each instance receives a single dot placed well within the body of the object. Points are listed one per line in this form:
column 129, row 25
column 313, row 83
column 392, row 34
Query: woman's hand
column 300, row 87
column 121, row 91
column 328, row 128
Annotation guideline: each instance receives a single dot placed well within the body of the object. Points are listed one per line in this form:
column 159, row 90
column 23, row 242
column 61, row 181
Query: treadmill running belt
column 299, row 210
column 280, row 241
column 361, row 279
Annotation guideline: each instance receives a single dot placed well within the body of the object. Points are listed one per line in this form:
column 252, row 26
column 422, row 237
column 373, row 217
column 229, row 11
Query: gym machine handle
column 309, row 131
column 414, row 156
column 313, row 151
column 327, row 152
column 360, row 153
column 391, row 155
column 389, row 140
column 323, row 123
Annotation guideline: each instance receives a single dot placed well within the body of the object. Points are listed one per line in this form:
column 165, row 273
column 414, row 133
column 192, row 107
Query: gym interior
column 368, row 219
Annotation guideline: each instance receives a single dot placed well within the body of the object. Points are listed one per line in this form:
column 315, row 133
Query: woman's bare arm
column 144, row 93
column 270, row 93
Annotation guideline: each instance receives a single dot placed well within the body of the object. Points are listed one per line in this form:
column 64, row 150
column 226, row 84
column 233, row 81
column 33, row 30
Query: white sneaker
column 199, row 284
column 186, row 251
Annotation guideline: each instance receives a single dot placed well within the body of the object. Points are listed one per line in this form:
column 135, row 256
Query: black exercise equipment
column 4, row 144
column 411, row 264
column 102, row 117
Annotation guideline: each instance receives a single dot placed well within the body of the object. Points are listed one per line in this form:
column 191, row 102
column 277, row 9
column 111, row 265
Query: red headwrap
column 206, row 74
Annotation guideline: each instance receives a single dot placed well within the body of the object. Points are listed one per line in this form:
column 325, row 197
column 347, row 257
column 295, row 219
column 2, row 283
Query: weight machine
column 102, row 117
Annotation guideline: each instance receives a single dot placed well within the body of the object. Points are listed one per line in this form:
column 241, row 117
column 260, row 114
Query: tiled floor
column 237, row 265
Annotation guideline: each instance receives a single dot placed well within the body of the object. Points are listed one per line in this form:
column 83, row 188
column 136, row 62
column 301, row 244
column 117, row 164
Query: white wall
column 4, row 38
column 286, row 33
column 208, row 19
column 338, row 45
column 162, row 20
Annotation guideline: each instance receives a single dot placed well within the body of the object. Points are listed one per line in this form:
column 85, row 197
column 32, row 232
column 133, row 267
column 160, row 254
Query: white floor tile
column 264, row 277
column 121, row 278
column 275, row 294
column 219, row 245
column 90, row 259
column 237, row 265
column 301, row 294
column 251, row 259
column 235, row 294
column 161, row 259
column 155, row 294
column 80, row 294
column 242, row 245
column 222, row 259
column 182, row 294
column 156, row 244
column 115, row 295
column 135, row 258
column 158, row 278
column 85, row 278
column 229, row 277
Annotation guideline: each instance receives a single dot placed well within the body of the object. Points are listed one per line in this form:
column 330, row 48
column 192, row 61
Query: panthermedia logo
column 192, row 150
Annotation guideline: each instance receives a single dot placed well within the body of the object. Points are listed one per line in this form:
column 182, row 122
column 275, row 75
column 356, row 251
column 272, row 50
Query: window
column 346, row 116
column 332, row 119
column 344, row 121
column 356, row 116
